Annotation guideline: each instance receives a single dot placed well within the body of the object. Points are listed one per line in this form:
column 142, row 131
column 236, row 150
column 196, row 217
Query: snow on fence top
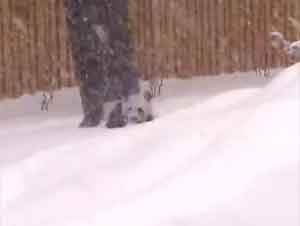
column 172, row 38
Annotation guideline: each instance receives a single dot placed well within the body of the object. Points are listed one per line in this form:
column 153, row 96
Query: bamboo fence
column 172, row 38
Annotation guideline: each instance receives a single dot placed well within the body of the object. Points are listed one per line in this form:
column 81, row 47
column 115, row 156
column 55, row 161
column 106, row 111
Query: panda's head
column 294, row 51
column 277, row 40
column 135, row 114
column 139, row 106
column 148, row 95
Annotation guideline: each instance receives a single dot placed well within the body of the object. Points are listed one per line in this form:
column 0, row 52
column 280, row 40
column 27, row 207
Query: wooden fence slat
column 6, row 46
column 247, row 33
column 205, row 38
column 17, row 51
column 197, row 31
column 22, row 28
column 2, row 69
column 170, row 35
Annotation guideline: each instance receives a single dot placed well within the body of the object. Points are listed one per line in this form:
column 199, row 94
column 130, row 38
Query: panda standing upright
column 102, row 51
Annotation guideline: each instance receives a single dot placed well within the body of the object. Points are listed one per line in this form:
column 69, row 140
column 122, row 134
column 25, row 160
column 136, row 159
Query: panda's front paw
column 89, row 122
column 149, row 118
column 116, row 124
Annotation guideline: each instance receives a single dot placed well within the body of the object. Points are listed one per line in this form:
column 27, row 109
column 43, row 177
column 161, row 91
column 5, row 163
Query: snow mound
column 229, row 159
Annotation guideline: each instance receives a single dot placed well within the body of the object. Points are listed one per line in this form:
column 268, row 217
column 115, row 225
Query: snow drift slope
column 230, row 160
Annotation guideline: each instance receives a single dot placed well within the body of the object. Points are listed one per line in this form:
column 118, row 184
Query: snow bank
column 216, row 156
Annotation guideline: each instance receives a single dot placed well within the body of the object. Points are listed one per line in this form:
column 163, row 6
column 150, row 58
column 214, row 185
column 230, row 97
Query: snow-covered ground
column 223, row 151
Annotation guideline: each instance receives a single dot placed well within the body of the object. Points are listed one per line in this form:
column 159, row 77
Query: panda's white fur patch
column 130, row 106
column 136, row 102
column 294, row 51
